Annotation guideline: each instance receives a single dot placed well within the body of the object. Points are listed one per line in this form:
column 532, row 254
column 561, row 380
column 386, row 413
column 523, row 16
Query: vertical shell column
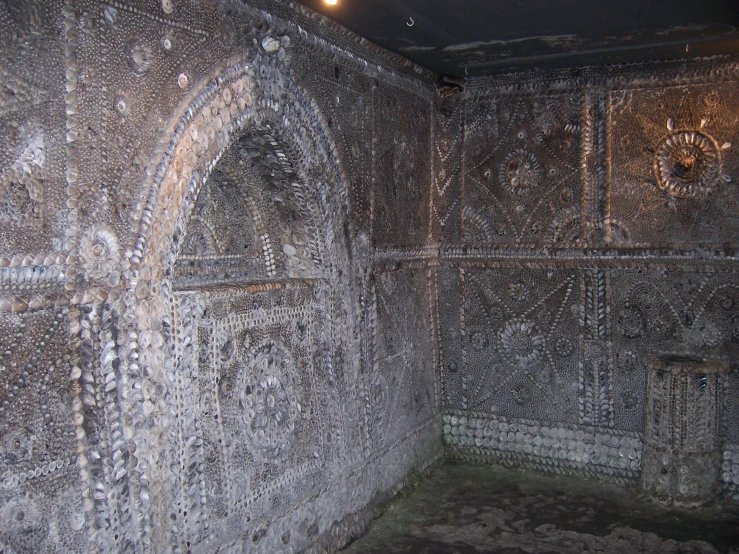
column 682, row 431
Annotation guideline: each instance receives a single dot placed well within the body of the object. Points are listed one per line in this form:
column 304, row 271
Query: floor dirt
column 469, row 509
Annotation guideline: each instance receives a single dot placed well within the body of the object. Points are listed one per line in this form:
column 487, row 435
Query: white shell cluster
column 569, row 449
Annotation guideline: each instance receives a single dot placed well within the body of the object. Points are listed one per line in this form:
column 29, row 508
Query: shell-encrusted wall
column 588, row 222
column 249, row 260
column 202, row 205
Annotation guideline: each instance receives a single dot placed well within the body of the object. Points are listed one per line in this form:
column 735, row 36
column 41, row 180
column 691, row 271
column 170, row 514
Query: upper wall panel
column 33, row 193
column 637, row 158
column 345, row 96
column 673, row 166
column 402, row 146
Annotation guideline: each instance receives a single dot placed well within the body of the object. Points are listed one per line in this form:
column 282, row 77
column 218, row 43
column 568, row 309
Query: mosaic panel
column 152, row 60
column 262, row 430
column 446, row 202
column 450, row 338
column 522, row 182
column 403, row 156
column 403, row 388
column 344, row 95
column 47, row 414
column 520, row 341
column 672, row 166
column 32, row 163
column 682, row 312
column 251, row 221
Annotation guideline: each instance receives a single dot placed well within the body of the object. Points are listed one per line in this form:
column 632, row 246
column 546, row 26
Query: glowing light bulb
column 331, row 2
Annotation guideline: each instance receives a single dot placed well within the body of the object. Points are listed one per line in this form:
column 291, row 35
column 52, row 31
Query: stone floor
column 467, row 509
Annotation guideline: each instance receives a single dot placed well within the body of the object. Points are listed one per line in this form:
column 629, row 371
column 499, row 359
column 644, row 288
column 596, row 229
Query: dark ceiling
column 483, row 37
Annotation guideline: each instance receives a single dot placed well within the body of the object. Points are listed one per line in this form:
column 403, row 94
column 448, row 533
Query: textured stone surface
column 199, row 353
column 549, row 305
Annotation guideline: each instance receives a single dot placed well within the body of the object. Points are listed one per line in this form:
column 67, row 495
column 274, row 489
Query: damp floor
column 471, row 509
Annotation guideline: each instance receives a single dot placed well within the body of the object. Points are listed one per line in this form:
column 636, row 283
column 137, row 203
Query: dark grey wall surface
column 588, row 220
column 207, row 344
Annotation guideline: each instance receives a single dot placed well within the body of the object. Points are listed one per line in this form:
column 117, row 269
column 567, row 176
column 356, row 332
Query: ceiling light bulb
column 331, row 2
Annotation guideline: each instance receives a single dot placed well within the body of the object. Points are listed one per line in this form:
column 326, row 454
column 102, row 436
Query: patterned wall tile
column 676, row 312
column 520, row 340
column 404, row 385
column 33, row 192
column 264, row 425
column 672, row 165
column 344, row 96
column 450, row 338
column 446, row 206
column 522, row 183
column 48, row 416
column 402, row 145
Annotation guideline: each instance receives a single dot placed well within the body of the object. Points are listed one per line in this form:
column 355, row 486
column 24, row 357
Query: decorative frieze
column 559, row 448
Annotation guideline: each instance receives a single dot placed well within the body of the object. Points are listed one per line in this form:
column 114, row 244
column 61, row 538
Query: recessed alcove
column 258, row 274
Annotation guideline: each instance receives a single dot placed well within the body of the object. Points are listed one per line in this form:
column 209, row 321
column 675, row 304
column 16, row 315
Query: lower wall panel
column 565, row 449
column 562, row 448
column 379, row 480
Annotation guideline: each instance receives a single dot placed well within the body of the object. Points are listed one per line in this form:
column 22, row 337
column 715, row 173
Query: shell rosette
column 687, row 164
column 269, row 401
column 99, row 252
column 522, row 342
column 520, row 172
